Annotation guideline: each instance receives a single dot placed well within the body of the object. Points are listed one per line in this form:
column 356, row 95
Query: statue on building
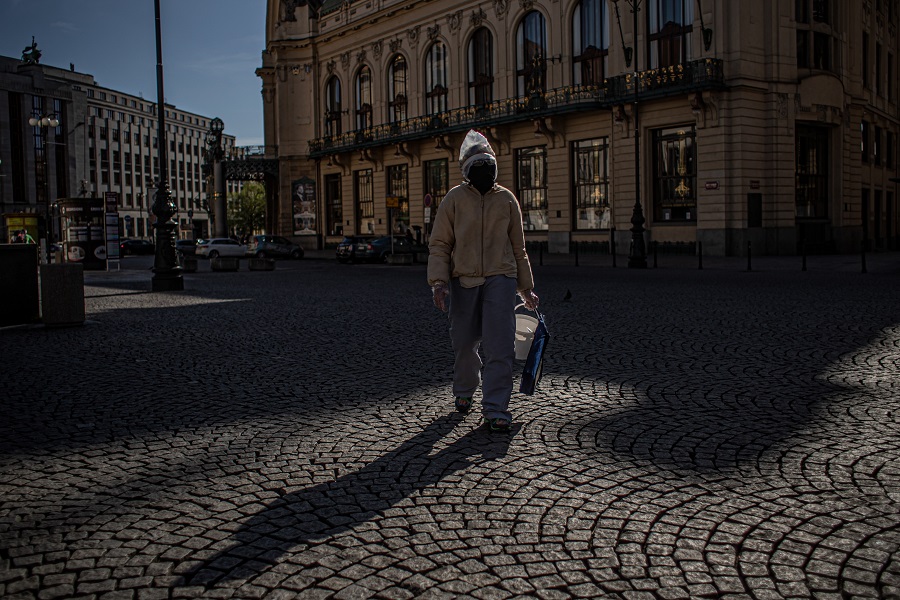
column 31, row 55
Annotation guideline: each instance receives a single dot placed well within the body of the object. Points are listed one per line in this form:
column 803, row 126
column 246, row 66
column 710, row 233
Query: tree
column 247, row 209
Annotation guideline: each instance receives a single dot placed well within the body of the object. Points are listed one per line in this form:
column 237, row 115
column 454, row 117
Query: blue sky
column 210, row 48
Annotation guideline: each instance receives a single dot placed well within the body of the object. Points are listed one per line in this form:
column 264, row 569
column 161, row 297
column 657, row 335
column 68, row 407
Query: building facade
column 767, row 124
column 105, row 141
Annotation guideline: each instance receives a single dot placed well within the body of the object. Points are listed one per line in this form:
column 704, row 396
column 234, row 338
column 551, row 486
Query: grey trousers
column 484, row 316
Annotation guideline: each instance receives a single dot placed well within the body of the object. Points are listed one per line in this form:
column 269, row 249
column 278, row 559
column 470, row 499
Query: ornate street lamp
column 166, row 272
column 637, row 254
column 214, row 155
column 43, row 122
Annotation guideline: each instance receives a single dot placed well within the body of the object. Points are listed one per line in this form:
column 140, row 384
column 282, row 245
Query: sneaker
column 463, row 404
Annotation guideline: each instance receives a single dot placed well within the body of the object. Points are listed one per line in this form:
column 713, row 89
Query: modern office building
column 770, row 123
column 95, row 141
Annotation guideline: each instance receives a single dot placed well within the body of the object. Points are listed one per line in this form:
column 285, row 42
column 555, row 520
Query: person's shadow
column 330, row 508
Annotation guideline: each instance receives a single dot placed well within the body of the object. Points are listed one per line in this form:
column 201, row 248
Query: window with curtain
column 364, row 192
column 590, row 45
column 675, row 174
column 671, row 25
column 590, row 160
column 531, row 187
column 811, row 187
column 481, row 67
column 364, row 98
column 397, row 84
column 436, row 79
column 333, row 107
column 531, row 54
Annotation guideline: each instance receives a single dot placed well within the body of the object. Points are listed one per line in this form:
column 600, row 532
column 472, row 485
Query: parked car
column 352, row 248
column 144, row 247
column 272, row 246
column 216, row 247
column 186, row 247
column 378, row 249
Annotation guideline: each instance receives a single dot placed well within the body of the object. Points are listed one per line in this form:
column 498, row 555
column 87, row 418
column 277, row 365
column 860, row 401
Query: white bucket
column 525, row 328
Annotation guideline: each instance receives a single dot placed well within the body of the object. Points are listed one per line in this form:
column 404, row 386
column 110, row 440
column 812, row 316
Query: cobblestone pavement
column 715, row 433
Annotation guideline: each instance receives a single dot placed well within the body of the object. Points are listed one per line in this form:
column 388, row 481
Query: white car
column 217, row 247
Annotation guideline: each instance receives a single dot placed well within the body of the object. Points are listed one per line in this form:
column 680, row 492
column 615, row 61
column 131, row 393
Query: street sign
column 428, row 200
column 393, row 202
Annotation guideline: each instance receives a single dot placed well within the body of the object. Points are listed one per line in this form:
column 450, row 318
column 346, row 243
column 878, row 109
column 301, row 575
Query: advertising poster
column 83, row 222
column 303, row 204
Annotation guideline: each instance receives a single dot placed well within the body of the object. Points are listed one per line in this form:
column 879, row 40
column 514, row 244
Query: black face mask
column 483, row 177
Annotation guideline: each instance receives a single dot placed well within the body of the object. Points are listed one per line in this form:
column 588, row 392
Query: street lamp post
column 43, row 122
column 214, row 155
column 166, row 272
column 637, row 255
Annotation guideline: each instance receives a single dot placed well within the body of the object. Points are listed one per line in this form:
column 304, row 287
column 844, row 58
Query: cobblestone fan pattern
column 697, row 434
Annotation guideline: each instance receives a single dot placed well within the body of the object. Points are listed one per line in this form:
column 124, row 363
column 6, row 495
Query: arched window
column 481, row 67
column 590, row 47
column 436, row 79
column 531, row 53
column 333, row 107
column 364, row 98
column 397, row 82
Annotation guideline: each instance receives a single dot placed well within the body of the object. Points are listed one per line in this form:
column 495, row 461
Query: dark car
column 186, row 247
column 127, row 247
column 273, row 246
column 352, row 248
column 378, row 249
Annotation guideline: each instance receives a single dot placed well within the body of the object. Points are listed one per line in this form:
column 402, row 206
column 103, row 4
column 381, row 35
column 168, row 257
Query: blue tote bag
column 531, row 375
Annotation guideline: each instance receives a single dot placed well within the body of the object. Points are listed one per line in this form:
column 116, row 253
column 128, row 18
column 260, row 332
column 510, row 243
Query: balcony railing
column 654, row 83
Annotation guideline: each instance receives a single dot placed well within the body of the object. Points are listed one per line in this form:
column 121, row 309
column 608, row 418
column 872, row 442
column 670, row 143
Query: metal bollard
column 541, row 252
column 700, row 255
column 748, row 258
column 655, row 249
column 803, row 251
column 612, row 244
column 576, row 254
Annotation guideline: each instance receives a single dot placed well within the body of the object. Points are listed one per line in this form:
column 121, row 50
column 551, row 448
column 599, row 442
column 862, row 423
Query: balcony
column 676, row 80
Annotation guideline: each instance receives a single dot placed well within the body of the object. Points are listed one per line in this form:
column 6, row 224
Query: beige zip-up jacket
column 477, row 236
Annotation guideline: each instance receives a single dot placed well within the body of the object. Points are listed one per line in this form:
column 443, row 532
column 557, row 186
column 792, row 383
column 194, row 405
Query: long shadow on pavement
column 331, row 508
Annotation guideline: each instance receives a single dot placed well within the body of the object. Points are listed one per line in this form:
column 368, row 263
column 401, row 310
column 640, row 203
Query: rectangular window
column 590, row 164
column 879, row 88
column 334, row 210
column 675, row 174
column 876, row 146
column 890, row 77
column 531, row 187
column 811, row 186
column 437, row 184
column 864, row 140
column 398, row 188
column 865, row 59
column 364, row 192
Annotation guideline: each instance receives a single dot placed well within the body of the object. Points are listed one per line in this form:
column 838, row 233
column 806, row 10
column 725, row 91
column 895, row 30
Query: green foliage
column 247, row 209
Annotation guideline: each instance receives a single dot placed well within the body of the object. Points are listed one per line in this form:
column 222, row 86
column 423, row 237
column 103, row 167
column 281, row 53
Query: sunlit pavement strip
column 291, row 433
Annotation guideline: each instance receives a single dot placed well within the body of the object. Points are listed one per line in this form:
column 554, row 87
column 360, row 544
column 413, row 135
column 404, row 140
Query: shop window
column 531, row 187
column 590, row 162
column 334, row 216
column 674, row 175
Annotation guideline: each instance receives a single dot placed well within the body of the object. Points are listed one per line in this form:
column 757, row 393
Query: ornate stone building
column 767, row 123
